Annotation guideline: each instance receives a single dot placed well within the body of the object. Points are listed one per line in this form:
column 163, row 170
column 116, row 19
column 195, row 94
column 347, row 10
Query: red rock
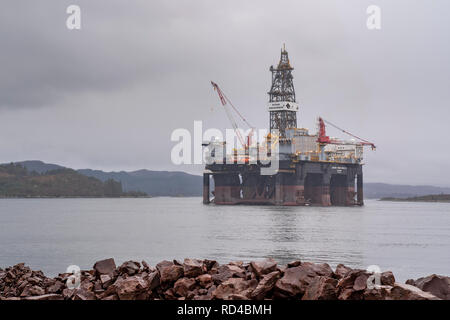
column 171, row 273
column 183, row 286
column 321, row 288
column 294, row 281
column 169, row 294
column 205, row 280
column 36, row 291
column 226, row 272
column 106, row 280
column 87, row 285
column 192, row 268
column 342, row 271
column 294, row 264
column 379, row 293
column 129, row 267
column 209, row 264
column 263, row 267
column 437, row 285
column 266, row 284
column 57, row 287
column 408, row 292
column 107, row 266
column 34, row 281
column 68, row 293
column 360, row 282
column 129, row 288
column 232, row 286
column 321, row 269
column 387, row 278
column 83, row 294
column 352, row 285
column 153, row 280
column 147, row 267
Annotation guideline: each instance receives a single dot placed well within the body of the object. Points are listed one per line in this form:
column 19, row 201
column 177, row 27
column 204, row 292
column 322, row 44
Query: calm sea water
column 411, row 239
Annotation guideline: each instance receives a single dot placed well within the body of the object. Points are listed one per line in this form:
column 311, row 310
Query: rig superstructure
column 313, row 169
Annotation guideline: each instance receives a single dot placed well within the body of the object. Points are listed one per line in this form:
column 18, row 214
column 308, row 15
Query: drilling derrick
column 282, row 104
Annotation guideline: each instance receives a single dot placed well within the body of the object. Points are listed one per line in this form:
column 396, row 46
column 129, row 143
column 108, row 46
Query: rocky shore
column 195, row 279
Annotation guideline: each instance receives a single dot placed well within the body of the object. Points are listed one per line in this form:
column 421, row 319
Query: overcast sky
column 108, row 96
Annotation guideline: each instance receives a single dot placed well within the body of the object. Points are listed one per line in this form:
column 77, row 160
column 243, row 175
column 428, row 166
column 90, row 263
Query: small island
column 427, row 198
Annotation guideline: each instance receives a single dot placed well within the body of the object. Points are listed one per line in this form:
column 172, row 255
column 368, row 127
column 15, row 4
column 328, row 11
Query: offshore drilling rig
column 313, row 169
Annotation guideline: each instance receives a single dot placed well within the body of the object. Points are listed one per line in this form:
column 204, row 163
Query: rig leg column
column 278, row 189
column 206, row 188
column 359, row 186
column 350, row 196
column 326, row 200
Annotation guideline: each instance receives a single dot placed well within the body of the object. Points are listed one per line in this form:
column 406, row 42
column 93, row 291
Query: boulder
column 154, row 280
column 129, row 267
column 294, row 264
column 57, row 287
column 183, row 285
column 263, row 267
column 68, row 293
column 192, row 268
column 387, row 278
column 321, row 269
column 352, row 285
column 170, row 273
column 209, row 264
column 266, row 284
column 341, row 271
column 146, row 266
column 378, row 293
column 129, row 288
column 83, row 294
column 204, row 280
column 36, row 291
column 321, row 288
column 408, row 292
column 234, row 286
column 294, row 282
column 226, row 272
column 438, row 286
column 107, row 266
column 106, row 280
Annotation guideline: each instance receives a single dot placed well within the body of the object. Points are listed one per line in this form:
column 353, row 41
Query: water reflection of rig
column 313, row 169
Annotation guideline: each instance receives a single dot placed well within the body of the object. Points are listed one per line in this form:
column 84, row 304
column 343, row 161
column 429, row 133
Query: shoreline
column 194, row 279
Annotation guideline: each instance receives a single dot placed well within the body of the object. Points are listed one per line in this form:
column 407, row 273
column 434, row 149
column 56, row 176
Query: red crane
column 324, row 139
column 224, row 99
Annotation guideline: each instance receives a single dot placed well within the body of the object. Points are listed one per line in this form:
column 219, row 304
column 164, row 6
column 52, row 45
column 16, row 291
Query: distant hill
column 384, row 190
column 39, row 166
column 17, row 181
column 154, row 183
column 166, row 183
column 429, row 198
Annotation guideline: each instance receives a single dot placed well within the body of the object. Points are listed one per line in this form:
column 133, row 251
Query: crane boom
column 324, row 139
column 224, row 100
